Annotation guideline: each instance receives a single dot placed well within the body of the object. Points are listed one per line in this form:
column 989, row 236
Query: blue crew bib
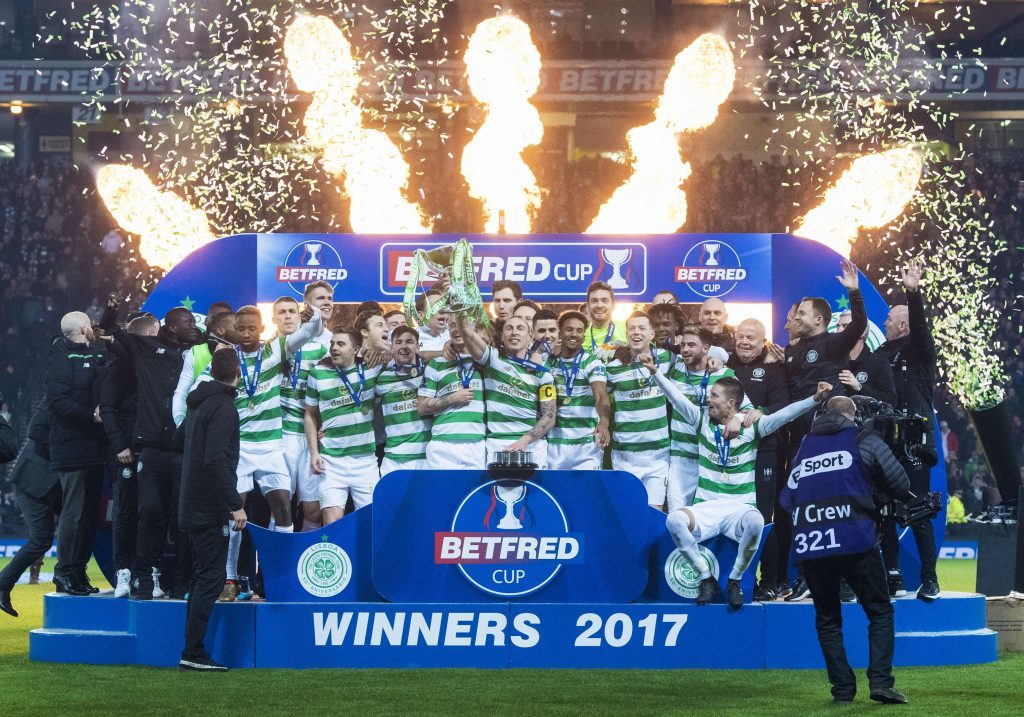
column 829, row 498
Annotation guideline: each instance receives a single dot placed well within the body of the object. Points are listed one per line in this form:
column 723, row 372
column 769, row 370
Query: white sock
column 234, row 545
column 678, row 524
column 281, row 528
column 752, row 524
column 308, row 526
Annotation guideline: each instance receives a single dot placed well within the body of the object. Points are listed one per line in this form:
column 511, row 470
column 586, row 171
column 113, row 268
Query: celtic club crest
column 324, row 569
column 682, row 577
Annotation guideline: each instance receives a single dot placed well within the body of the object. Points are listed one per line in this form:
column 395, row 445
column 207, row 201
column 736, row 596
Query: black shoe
column 846, row 592
column 707, row 591
column 928, row 591
column 142, row 589
column 783, row 591
column 201, row 664
column 800, row 591
column 64, row 585
column 889, row 696
column 83, row 582
column 764, row 593
column 896, row 587
column 842, row 700
column 5, row 602
column 735, row 593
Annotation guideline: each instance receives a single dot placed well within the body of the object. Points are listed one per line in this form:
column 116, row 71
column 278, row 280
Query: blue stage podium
column 482, row 569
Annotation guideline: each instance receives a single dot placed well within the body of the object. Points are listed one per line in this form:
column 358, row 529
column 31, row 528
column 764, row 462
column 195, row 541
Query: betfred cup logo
column 509, row 538
column 709, row 253
column 311, row 261
column 616, row 258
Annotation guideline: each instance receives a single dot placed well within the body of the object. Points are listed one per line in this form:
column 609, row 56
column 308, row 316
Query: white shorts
column 651, row 467
column 305, row 482
column 682, row 482
column 389, row 464
column 719, row 517
column 353, row 475
column 580, row 457
column 451, row 455
column 265, row 469
column 539, row 449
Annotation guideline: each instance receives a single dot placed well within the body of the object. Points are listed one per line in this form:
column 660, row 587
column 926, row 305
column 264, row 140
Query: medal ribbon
column 465, row 376
column 407, row 368
column 357, row 396
column 528, row 364
column 702, row 393
column 569, row 375
column 723, row 447
column 611, row 332
column 657, row 365
column 250, row 388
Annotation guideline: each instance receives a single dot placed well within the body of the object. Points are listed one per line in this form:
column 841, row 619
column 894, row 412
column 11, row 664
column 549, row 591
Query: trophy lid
column 512, row 461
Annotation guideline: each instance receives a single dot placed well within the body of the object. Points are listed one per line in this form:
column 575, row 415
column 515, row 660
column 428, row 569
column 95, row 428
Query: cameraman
column 831, row 493
column 910, row 351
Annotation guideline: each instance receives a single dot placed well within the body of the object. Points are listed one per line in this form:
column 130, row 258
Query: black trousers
column 79, row 512
column 769, row 479
column 125, row 493
column 209, row 555
column 866, row 576
column 924, row 533
column 38, row 514
column 159, row 478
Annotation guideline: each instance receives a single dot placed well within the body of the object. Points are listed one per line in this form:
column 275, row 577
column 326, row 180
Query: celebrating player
column 339, row 399
column 580, row 434
column 398, row 386
column 453, row 393
column 725, row 500
column 639, row 412
column 520, row 393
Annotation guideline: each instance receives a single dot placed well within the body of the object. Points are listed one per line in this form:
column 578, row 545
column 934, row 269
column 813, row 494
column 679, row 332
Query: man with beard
column 453, row 394
column 398, row 384
column 581, row 431
column 220, row 334
column 602, row 332
column 764, row 384
column 519, row 393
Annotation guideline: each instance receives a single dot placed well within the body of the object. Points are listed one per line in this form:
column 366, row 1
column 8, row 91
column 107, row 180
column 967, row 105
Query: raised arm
column 767, row 425
column 310, row 329
column 475, row 344
column 679, row 401
column 921, row 339
column 846, row 339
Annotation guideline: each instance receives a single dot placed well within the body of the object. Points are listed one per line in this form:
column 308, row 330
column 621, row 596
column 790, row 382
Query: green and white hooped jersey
column 347, row 430
column 407, row 432
column 461, row 424
column 260, row 424
column 513, row 395
column 293, row 406
column 736, row 481
column 639, row 413
column 577, row 414
column 683, row 435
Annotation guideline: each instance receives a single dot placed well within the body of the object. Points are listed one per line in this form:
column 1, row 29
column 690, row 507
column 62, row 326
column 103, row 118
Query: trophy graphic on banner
column 712, row 247
column 509, row 495
column 616, row 258
column 451, row 264
column 313, row 249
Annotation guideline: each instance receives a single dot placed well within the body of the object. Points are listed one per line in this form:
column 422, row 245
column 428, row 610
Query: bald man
column 77, row 446
column 765, row 385
column 910, row 351
column 714, row 317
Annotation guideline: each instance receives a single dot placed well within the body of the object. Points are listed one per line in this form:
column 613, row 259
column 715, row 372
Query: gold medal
column 414, row 372
column 365, row 408
column 566, row 400
column 725, row 475
column 252, row 405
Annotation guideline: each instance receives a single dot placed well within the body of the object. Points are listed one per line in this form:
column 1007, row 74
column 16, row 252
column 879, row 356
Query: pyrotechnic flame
column 320, row 61
column 503, row 68
column 652, row 201
column 168, row 226
column 870, row 194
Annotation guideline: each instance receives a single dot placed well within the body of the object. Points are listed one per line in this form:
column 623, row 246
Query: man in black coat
column 156, row 362
column 38, row 494
column 77, row 446
column 868, row 373
column 765, row 385
column 209, row 437
column 910, row 350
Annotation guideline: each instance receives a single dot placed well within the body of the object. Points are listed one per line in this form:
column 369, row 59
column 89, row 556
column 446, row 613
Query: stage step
column 96, row 647
column 960, row 647
column 96, row 612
